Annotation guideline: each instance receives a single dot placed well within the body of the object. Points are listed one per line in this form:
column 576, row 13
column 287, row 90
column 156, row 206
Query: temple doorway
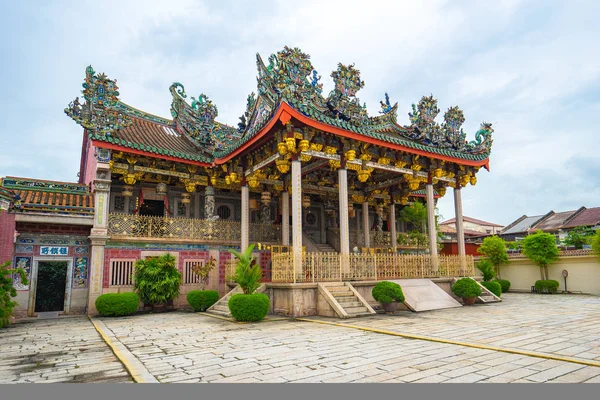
column 51, row 286
column 153, row 208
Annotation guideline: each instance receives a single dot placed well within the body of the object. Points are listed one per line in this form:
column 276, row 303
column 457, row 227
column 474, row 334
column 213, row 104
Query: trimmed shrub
column 117, row 304
column 249, row 307
column 157, row 280
column 487, row 269
column 200, row 300
column 546, row 286
column 504, row 284
column 493, row 287
column 387, row 292
column 466, row 287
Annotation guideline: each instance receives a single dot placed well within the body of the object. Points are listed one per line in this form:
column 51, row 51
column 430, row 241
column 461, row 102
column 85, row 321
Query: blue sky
column 532, row 68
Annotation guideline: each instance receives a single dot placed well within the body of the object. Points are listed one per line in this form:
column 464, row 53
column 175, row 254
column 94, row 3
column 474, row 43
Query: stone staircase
column 345, row 300
column 325, row 248
column 222, row 309
column 486, row 295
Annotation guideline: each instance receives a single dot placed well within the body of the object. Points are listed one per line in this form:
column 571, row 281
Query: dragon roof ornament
column 99, row 112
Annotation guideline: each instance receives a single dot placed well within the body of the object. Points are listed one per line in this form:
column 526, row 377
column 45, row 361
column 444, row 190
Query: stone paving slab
column 57, row 350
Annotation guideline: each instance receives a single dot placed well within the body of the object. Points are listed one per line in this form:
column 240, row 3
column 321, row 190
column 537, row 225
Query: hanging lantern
column 306, row 201
column 161, row 188
column 127, row 191
column 186, row 198
column 253, row 203
column 283, row 166
column 351, row 211
column 265, row 197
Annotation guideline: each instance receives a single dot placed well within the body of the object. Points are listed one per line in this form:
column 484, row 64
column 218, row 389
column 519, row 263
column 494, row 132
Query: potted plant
column 468, row 289
column 388, row 294
column 248, row 306
column 157, row 281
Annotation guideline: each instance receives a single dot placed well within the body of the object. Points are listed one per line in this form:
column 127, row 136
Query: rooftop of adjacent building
column 472, row 220
column 554, row 221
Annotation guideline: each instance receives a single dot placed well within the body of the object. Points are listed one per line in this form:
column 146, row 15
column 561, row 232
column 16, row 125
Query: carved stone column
column 99, row 234
column 209, row 202
column 393, row 234
column 365, row 215
column 245, row 217
column 344, row 225
column 285, row 218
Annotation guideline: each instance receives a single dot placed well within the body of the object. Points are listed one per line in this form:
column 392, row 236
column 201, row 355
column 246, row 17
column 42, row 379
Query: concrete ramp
column 424, row 295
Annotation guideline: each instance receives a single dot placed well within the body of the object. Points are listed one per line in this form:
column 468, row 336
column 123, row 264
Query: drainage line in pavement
column 125, row 359
column 465, row 344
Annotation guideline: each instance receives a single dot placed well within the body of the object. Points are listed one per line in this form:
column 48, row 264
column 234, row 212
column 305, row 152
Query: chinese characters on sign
column 54, row 250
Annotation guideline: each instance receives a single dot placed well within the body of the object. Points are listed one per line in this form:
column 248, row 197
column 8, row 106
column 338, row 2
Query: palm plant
column 247, row 273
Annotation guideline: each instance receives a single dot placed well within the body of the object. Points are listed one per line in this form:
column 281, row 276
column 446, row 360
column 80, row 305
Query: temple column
column 297, row 216
column 209, row 202
column 245, row 216
column 393, row 234
column 285, row 218
column 365, row 215
column 99, row 234
column 433, row 250
column 460, row 233
column 344, row 223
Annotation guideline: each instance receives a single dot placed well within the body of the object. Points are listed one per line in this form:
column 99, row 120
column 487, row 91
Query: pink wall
column 7, row 236
column 90, row 164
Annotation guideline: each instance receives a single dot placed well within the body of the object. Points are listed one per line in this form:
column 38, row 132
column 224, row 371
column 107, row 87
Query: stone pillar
column 365, row 214
column 285, row 218
column 393, row 234
column 99, row 234
column 431, row 225
column 297, row 216
column 209, row 202
column 344, row 224
column 460, row 233
column 245, row 217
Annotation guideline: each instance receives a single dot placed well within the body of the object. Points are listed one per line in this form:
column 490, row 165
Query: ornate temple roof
column 48, row 197
column 287, row 87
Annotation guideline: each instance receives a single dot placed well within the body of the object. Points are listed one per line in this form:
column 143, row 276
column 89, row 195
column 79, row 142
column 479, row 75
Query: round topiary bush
column 117, row 304
column 504, row 284
column 387, row 292
column 200, row 300
column 249, row 307
column 466, row 287
column 493, row 287
column 546, row 286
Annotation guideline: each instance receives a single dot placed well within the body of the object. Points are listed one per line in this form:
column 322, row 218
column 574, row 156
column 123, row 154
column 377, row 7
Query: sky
column 532, row 68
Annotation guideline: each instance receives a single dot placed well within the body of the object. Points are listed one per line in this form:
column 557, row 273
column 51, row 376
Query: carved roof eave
column 285, row 112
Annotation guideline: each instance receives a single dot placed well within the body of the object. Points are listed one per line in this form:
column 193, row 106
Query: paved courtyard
column 187, row 347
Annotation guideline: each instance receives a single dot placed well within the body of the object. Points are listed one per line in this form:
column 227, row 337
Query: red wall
column 7, row 236
column 32, row 227
column 452, row 248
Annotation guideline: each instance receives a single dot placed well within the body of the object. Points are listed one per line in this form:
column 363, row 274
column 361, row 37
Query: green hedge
column 493, row 287
column 200, row 300
column 387, row 292
column 249, row 307
column 117, row 304
column 466, row 287
column 548, row 287
column 504, row 284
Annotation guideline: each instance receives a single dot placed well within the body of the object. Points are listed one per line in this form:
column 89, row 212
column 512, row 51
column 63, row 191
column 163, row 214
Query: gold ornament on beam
column 305, row 157
column 350, row 155
column 252, row 181
column 438, row 172
column 441, row 191
column 290, row 144
column 473, row 180
column 282, row 148
column 464, row 180
column 404, row 200
column 190, row 186
column 303, row 145
column 363, row 175
column 330, row 150
column 129, row 178
column 283, row 166
column 316, row 146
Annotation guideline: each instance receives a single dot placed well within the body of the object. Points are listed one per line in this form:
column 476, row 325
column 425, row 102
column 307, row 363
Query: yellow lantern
column 306, row 201
column 185, row 198
column 282, row 148
column 351, row 212
column 253, row 204
column 127, row 191
column 283, row 166
column 303, row 145
column 265, row 197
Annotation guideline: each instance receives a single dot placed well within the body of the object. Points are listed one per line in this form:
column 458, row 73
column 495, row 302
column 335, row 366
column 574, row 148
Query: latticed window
column 119, row 203
column 121, row 272
column 189, row 277
column 224, row 212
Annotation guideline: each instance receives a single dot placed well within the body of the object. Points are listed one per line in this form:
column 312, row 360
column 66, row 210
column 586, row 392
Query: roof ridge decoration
column 100, row 111
column 50, row 186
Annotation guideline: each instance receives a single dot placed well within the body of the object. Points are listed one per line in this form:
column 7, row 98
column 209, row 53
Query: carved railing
column 332, row 267
column 380, row 239
column 137, row 226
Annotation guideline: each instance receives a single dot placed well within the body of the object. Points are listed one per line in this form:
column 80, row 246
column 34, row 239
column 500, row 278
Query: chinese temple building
column 311, row 177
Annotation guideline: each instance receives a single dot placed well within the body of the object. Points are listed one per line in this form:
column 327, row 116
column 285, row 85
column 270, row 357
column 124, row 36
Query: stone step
column 346, row 304
column 221, row 313
column 355, row 310
column 343, row 296
column 222, row 308
column 339, row 289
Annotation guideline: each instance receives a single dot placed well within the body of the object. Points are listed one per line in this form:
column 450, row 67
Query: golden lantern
column 290, row 144
column 351, row 212
column 185, row 198
column 306, row 201
column 473, row 180
column 129, row 179
column 304, row 145
column 282, row 148
column 265, row 197
column 252, row 181
column 363, row 175
column 253, row 204
column 283, row 166
column 127, row 191
column 161, row 188
column 350, row 155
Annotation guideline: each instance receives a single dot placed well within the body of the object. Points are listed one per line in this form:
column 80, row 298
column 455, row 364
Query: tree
column 7, row 290
column 494, row 249
column 541, row 248
column 487, row 269
column 416, row 216
column 596, row 243
column 203, row 270
column 578, row 236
